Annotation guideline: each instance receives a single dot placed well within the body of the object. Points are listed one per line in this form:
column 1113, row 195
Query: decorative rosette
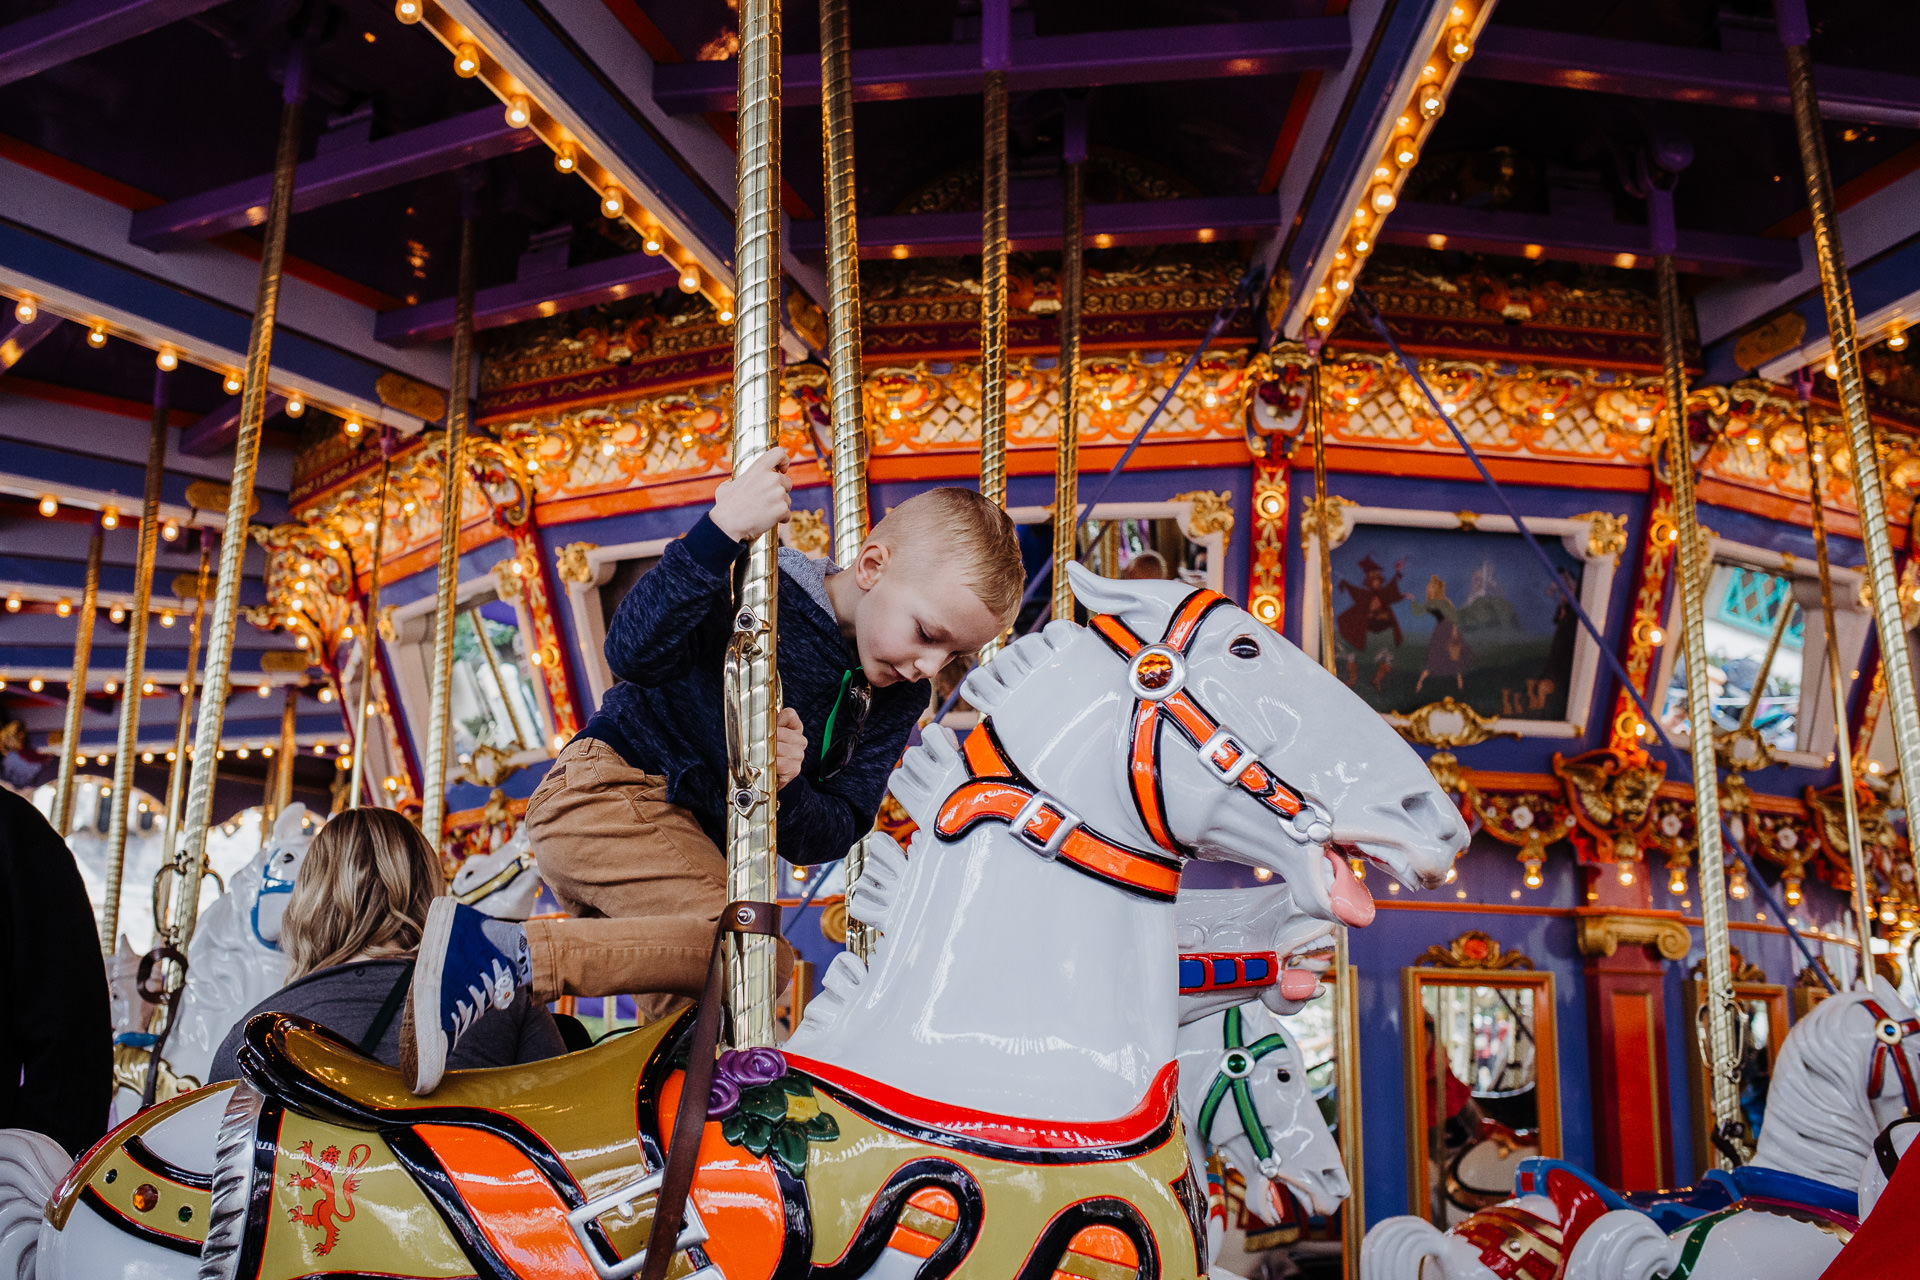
column 767, row 1109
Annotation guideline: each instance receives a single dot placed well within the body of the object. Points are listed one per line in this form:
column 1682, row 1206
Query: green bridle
column 1236, row 1069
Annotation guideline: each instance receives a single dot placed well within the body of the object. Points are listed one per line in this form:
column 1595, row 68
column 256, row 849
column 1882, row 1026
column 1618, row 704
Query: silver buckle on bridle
column 1232, row 773
column 625, row 1201
column 1050, row 847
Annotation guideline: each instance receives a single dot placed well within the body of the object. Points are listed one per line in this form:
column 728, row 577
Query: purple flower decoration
column 758, row 1066
column 722, row 1097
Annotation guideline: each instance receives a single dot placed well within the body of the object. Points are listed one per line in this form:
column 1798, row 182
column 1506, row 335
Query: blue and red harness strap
column 1888, row 1033
column 1227, row 970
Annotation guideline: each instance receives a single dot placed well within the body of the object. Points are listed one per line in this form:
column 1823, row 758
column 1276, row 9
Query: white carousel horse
column 1235, row 939
column 31, row 1165
column 1846, row 1069
column 1011, row 1047
column 1244, row 1094
column 502, row 883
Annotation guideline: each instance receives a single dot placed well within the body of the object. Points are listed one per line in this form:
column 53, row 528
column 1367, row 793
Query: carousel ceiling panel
column 81, row 27
column 116, row 432
column 1196, row 221
column 1075, row 61
column 532, row 297
column 342, row 173
column 1673, row 73
column 92, row 481
column 1595, row 241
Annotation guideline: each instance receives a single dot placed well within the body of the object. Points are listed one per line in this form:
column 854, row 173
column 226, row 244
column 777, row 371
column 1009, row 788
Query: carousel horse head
column 286, row 848
column 1244, row 1094
column 1236, row 745
column 503, row 883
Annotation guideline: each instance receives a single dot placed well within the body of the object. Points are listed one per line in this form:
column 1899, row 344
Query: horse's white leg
column 1399, row 1249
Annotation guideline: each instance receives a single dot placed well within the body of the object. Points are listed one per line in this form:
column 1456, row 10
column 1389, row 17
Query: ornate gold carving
column 488, row 766
column 1530, row 822
column 186, row 586
column 1776, row 337
column 1611, row 794
column 1326, row 523
column 211, row 495
column 1469, row 520
column 1606, row 534
column 808, row 532
column 1744, row 970
column 284, row 660
column 833, row 921
column 509, row 578
column 1212, row 513
column 572, row 562
column 1446, row 723
column 1473, row 950
column 397, row 391
column 1601, row 935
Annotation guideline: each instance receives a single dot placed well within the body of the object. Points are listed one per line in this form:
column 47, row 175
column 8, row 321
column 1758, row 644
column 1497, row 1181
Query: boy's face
column 914, row 614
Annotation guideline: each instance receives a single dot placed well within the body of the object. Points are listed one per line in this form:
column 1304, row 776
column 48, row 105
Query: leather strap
column 683, row 1152
column 1228, row 757
column 998, row 791
column 1885, row 1048
column 388, row 1010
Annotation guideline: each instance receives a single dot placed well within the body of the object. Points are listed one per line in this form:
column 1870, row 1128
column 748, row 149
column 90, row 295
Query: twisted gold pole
column 453, row 473
column 993, row 295
column 233, row 539
column 1896, row 662
column 64, row 786
column 845, row 377
column 177, row 771
column 135, row 675
column 1706, row 777
column 752, row 677
column 369, row 638
column 1837, row 683
column 1323, row 530
column 282, row 783
column 1066, row 454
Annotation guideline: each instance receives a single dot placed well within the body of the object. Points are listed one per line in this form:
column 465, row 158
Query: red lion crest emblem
column 320, row 1177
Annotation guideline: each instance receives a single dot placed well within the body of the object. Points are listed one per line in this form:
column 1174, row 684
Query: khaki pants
column 642, row 882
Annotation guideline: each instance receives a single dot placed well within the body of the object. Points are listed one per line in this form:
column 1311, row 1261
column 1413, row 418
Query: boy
column 629, row 823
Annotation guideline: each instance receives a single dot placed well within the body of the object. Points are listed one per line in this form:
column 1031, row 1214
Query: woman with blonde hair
column 352, row 928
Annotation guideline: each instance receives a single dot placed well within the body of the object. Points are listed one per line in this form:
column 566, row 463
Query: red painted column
column 1627, row 947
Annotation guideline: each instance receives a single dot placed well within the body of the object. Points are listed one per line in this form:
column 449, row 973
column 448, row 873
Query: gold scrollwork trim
column 1212, row 513
column 1474, row 949
column 1460, row 725
column 1606, row 534
column 572, row 563
column 1602, row 935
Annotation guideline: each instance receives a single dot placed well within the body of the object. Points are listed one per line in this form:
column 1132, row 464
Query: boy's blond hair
column 367, row 881
column 961, row 525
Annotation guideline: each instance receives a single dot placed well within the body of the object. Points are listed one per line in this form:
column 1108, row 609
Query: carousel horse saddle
column 571, row 1143
column 1717, row 1190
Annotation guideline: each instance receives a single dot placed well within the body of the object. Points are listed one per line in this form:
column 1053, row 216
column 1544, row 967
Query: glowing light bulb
column 466, row 62
column 408, row 11
column 49, row 505
column 231, row 384
column 1262, row 874
column 24, row 310
column 110, row 518
column 64, row 608
column 519, row 112
column 1533, row 878
column 725, row 313
column 111, row 687
column 1431, row 103
column 1382, row 199
column 1677, row 883
column 1406, row 151
column 243, row 753
column 612, row 203
column 1362, row 246
column 266, row 752
column 653, row 240
column 166, row 617
column 1793, row 892
column 391, row 783
column 565, row 158
column 1323, row 322
column 1832, row 369
column 13, row 604
column 326, row 695
column 117, row 614
column 295, row 406
column 1897, row 340
column 353, row 427
column 146, row 686
column 166, row 360
column 170, row 531
column 97, row 337
column 559, row 741
column 146, row 757
column 1453, row 873
column 1459, row 44
column 36, row 684
column 689, row 279
column 1626, row 873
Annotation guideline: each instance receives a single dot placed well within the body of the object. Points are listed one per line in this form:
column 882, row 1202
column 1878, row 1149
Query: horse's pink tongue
column 1299, row 984
column 1351, row 901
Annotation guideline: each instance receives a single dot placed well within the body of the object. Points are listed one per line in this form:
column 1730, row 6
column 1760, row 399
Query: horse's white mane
column 1820, row 1120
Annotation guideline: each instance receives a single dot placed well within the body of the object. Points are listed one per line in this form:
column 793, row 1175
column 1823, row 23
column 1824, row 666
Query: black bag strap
column 676, row 1180
column 388, row 1011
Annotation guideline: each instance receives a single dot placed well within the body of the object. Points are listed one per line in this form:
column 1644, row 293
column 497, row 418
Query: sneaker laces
column 495, row 987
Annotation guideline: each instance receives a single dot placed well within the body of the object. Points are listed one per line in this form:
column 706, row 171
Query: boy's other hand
column 757, row 499
column 789, row 744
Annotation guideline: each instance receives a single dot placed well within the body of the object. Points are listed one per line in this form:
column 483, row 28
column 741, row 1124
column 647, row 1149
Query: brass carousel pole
column 1706, row 778
column 178, row 766
column 1837, row 683
column 1346, row 1049
column 64, row 788
column 1875, row 531
column 844, row 373
column 1066, row 454
column 370, row 635
column 433, row 782
column 993, row 266
column 233, row 538
column 121, row 802
column 282, row 773
column 752, row 677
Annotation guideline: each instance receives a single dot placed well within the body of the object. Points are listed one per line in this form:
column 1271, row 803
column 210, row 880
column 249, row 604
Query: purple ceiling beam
column 333, row 176
column 1533, row 235
column 216, row 432
column 1044, row 62
column 80, row 27
column 1750, row 81
column 16, row 339
column 923, row 235
column 545, row 294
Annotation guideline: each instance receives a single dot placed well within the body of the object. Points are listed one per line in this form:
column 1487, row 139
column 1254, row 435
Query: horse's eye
column 1244, row 647
column 1283, row 1075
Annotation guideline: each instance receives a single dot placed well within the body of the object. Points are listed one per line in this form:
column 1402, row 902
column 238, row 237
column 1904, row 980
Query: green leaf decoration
column 790, row 1148
column 758, row 1136
column 797, row 1085
column 823, row 1128
column 766, row 1101
column 733, row 1127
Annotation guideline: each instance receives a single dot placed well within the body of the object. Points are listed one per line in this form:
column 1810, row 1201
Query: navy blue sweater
column 665, row 645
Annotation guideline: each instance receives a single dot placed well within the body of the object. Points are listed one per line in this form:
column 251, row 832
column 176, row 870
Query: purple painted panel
column 80, row 27
column 218, row 430
column 919, row 235
column 16, row 339
column 1566, row 240
column 541, row 295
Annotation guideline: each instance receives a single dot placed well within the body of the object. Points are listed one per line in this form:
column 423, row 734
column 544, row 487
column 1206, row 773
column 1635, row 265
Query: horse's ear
column 286, row 827
column 1144, row 604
